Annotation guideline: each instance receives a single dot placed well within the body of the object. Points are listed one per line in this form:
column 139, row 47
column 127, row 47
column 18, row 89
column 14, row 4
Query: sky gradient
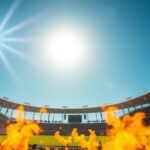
column 116, row 64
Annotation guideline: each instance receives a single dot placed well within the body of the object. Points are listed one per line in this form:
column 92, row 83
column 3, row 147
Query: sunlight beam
column 12, row 50
column 16, row 52
column 10, row 13
column 22, row 24
column 20, row 39
column 8, row 66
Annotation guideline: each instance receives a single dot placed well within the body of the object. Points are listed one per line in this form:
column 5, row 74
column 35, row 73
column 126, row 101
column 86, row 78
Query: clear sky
column 114, row 65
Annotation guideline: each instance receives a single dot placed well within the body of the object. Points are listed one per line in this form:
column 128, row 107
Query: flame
column 90, row 144
column 18, row 134
column 62, row 140
column 20, row 108
column 43, row 110
column 127, row 133
column 19, row 113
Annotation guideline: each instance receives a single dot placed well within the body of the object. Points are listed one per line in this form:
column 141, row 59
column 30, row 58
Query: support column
column 96, row 117
column 134, row 107
column 11, row 113
column 6, row 112
column 101, row 116
column 41, row 117
column 53, row 117
column 128, row 109
column 33, row 116
column 48, row 117
column 123, row 111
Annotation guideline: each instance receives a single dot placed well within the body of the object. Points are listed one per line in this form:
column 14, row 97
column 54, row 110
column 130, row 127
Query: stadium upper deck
column 135, row 102
column 50, row 125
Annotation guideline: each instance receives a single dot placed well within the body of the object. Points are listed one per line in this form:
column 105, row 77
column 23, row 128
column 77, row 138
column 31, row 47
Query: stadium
column 73, row 75
column 81, row 118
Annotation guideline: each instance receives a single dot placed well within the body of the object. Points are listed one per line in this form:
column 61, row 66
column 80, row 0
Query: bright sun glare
column 65, row 48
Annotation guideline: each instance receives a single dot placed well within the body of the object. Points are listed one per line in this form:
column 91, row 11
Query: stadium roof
column 144, row 99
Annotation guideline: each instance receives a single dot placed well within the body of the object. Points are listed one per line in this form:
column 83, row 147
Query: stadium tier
column 65, row 119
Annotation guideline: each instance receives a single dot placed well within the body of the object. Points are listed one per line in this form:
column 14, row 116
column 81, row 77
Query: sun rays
column 10, row 13
column 6, row 38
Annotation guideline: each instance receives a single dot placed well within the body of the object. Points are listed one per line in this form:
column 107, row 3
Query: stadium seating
column 139, row 104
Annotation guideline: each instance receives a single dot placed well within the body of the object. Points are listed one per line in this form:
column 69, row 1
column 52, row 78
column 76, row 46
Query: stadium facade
column 65, row 119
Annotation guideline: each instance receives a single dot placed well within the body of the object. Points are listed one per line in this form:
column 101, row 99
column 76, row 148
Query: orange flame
column 62, row 140
column 19, row 113
column 43, row 110
column 91, row 144
column 127, row 133
column 18, row 134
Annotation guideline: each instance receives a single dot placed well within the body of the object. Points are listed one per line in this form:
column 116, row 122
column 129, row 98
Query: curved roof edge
column 144, row 99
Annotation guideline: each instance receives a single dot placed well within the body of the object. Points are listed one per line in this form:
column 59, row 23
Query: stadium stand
column 51, row 125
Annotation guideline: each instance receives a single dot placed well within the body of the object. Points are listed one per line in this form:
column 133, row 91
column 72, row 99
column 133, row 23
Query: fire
column 62, row 140
column 19, row 113
column 90, row 144
column 18, row 135
column 127, row 133
column 43, row 110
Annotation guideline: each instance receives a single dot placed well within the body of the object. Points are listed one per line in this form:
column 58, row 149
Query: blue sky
column 116, row 64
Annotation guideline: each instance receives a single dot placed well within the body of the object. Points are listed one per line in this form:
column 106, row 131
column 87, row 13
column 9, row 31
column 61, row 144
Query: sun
column 65, row 48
